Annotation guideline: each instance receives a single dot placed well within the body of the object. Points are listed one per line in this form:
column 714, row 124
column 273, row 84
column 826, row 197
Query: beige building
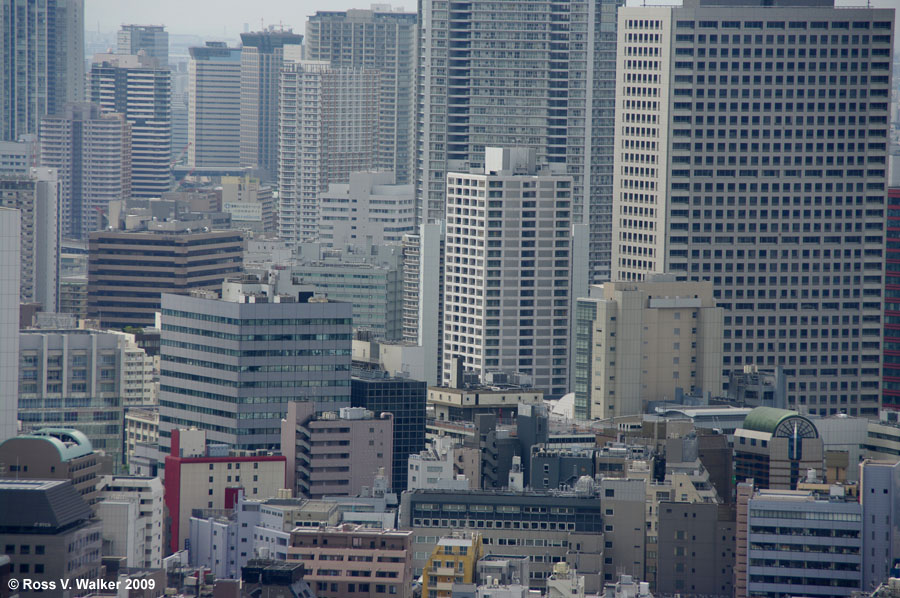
column 637, row 342
column 353, row 560
column 463, row 404
column 141, row 425
column 776, row 448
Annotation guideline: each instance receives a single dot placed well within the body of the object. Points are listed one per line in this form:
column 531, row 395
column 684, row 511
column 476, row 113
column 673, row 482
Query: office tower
column 10, row 271
column 91, row 153
column 152, row 40
column 238, row 390
column 511, row 263
column 262, row 56
column 890, row 393
column 423, row 294
column 90, row 365
column 214, row 107
column 370, row 281
column 129, row 271
column 879, row 491
column 775, row 448
column 139, row 88
column 36, row 196
column 371, row 209
column 766, row 176
column 367, row 439
column 553, row 91
column 820, row 537
column 641, row 342
column 328, row 128
column 405, row 400
column 42, row 53
column 386, row 42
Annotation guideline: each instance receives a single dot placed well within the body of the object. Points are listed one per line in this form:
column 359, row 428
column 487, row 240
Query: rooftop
column 71, row 444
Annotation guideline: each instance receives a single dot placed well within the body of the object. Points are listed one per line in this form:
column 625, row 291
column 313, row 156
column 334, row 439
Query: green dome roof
column 779, row 422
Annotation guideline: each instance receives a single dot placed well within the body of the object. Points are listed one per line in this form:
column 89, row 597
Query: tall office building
column 513, row 265
column 262, row 56
column 230, row 367
column 751, row 147
column 10, row 248
column 153, row 40
column 91, row 153
column 386, row 42
column 129, row 270
column 214, row 106
column 36, row 196
column 533, row 74
column 328, row 128
column 42, row 53
column 139, row 88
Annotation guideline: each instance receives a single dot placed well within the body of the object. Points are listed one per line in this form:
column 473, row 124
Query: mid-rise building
column 556, row 98
column 879, row 489
column 54, row 454
column 385, row 41
column 214, row 107
column 262, row 57
column 514, row 264
column 776, row 448
column 423, row 295
column 81, row 378
column 639, row 342
column 43, row 57
column 141, row 426
column 361, row 561
column 140, row 88
column 153, row 40
column 49, row 533
column 762, row 178
column 131, row 509
column 328, row 128
column 821, row 539
column 371, row 209
column 20, row 156
column 128, row 271
column 451, row 562
column 404, row 399
column 335, row 453
column 250, row 203
column 231, row 367
column 91, row 153
column 464, row 404
column 201, row 477
column 36, row 196
column 10, row 272
column 442, row 466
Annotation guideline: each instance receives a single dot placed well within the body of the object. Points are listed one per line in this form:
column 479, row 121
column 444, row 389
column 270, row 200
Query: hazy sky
column 227, row 17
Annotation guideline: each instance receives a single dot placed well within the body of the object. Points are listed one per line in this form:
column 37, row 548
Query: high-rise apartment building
column 91, row 153
column 386, row 42
column 153, row 40
column 128, row 271
column 10, row 271
column 262, row 56
column 423, row 295
column 511, row 264
column 890, row 385
column 214, row 106
column 139, row 88
column 231, row 367
column 36, row 196
column 639, row 342
column 42, row 53
column 328, row 128
column 532, row 74
column 751, row 147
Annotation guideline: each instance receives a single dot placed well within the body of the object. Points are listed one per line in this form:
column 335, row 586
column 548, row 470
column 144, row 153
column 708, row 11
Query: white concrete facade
column 131, row 508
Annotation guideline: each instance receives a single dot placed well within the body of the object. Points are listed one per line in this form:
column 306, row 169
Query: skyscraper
column 230, row 367
column 42, row 58
column 328, row 129
column 36, row 196
column 751, row 147
column 214, row 106
column 139, row 88
column 262, row 56
column 152, row 39
column 386, row 42
column 530, row 74
column 10, row 231
column 511, row 270
column 91, row 153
